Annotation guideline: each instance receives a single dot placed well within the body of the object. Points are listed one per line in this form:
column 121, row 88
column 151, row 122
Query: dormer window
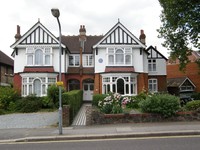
column 39, row 56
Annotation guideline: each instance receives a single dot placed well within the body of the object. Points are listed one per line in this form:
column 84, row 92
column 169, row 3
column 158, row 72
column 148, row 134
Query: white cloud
column 97, row 16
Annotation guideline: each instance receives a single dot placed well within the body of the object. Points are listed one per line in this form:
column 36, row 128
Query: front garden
column 11, row 102
column 145, row 107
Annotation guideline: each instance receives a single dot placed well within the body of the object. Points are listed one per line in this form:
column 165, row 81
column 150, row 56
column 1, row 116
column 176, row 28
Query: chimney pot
column 82, row 33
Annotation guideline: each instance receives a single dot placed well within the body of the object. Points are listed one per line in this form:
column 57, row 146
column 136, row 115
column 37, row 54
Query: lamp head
column 55, row 12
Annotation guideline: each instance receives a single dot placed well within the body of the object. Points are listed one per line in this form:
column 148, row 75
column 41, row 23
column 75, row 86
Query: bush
column 193, row 105
column 196, row 96
column 28, row 104
column 74, row 99
column 97, row 98
column 111, row 104
column 47, row 102
column 7, row 95
column 163, row 104
column 53, row 94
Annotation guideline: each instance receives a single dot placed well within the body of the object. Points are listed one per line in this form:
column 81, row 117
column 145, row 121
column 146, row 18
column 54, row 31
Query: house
column 182, row 87
column 6, row 70
column 191, row 72
column 116, row 62
column 157, row 72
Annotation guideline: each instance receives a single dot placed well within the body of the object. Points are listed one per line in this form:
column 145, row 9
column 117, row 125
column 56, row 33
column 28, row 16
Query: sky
column 98, row 16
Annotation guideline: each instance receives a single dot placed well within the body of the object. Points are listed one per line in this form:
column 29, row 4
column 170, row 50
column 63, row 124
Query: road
column 148, row 143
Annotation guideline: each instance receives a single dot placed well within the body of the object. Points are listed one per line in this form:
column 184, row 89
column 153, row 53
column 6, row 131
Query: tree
column 180, row 28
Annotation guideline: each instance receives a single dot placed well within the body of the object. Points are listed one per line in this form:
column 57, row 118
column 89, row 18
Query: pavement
column 50, row 133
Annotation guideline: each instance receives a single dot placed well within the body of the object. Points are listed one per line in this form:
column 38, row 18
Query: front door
column 88, row 89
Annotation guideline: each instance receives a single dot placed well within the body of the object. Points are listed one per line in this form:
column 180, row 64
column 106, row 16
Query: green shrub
column 7, row 95
column 74, row 99
column 53, row 94
column 2, row 112
column 47, row 102
column 111, row 104
column 97, row 98
column 28, row 104
column 196, row 96
column 163, row 104
column 193, row 105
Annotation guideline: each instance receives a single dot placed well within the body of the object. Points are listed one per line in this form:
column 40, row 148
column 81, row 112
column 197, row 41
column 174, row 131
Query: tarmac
column 128, row 130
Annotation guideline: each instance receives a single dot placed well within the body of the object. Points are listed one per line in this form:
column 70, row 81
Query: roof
column 32, row 37
column 117, row 69
column 177, row 82
column 39, row 69
column 73, row 44
column 158, row 53
column 120, row 35
column 4, row 59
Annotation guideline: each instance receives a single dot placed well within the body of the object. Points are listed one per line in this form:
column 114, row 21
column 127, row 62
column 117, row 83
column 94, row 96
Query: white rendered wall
column 160, row 68
column 138, row 61
column 100, row 67
column 20, row 60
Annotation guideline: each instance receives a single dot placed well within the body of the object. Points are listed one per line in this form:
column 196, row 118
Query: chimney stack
column 18, row 35
column 82, row 33
column 142, row 37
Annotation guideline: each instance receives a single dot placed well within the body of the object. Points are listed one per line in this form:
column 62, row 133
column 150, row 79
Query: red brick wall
column 192, row 72
column 97, row 84
column 142, row 82
column 17, row 82
column 162, row 82
column 77, row 77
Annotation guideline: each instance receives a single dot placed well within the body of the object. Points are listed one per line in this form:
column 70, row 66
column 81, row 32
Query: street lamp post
column 56, row 13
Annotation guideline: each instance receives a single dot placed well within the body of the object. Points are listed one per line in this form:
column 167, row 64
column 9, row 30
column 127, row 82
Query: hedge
column 74, row 99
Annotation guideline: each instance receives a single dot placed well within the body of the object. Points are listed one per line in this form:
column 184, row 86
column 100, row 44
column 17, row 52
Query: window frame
column 31, row 53
column 154, row 85
column 75, row 59
column 114, row 58
column 152, row 66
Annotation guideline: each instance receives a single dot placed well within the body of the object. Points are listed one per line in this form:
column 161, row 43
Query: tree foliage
column 180, row 27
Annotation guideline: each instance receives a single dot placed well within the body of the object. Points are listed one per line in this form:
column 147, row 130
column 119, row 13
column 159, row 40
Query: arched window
column 119, row 56
column 37, row 87
column 38, row 57
column 120, row 86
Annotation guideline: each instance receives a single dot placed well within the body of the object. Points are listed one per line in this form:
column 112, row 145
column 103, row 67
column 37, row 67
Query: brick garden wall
column 94, row 117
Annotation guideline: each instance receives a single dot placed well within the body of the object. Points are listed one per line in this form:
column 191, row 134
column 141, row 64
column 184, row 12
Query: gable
column 154, row 53
column 178, row 82
column 38, row 34
column 119, row 35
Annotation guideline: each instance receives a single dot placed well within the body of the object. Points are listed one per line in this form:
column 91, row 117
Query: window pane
column 85, row 87
column 91, row 87
column 114, row 88
column 47, row 59
column 110, row 59
column 71, row 61
column 128, row 59
column 119, row 59
column 127, row 89
column 43, row 89
column 30, row 89
column 37, row 87
column 90, row 60
column 108, row 88
column 77, row 60
column 30, row 60
column 38, row 57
